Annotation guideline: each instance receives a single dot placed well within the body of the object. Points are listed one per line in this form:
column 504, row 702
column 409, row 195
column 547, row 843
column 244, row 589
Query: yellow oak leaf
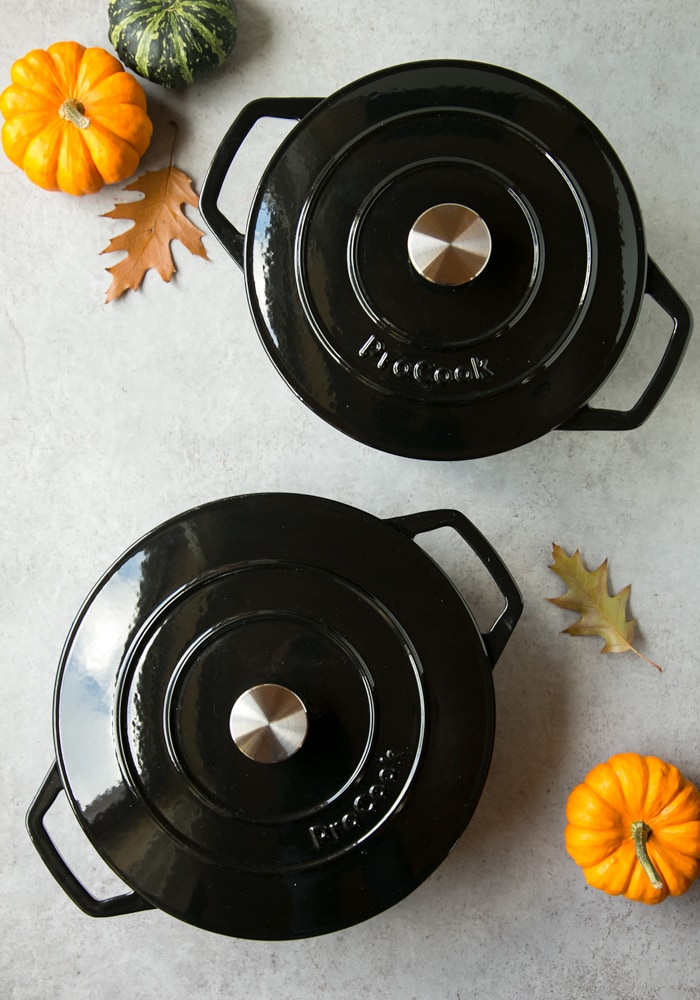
column 158, row 219
column 601, row 613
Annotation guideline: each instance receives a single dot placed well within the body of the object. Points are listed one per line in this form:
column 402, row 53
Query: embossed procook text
column 422, row 371
column 366, row 806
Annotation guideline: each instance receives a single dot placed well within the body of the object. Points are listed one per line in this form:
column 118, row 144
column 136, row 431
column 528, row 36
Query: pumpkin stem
column 74, row 111
column 640, row 835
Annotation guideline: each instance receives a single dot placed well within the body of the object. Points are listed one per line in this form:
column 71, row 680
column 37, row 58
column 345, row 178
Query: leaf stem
column 643, row 657
column 172, row 145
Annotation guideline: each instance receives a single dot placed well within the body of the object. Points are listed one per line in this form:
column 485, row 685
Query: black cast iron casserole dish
column 453, row 368
column 295, row 597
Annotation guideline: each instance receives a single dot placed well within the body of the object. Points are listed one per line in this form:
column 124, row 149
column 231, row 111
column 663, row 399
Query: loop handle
column 130, row 902
column 589, row 418
column 265, row 107
column 499, row 633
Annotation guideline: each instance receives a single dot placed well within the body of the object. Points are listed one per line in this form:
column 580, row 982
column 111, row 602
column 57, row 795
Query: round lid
column 445, row 259
column 274, row 716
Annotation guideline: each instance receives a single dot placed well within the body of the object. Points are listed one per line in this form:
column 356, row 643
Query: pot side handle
column 129, row 902
column 294, row 108
column 591, row 419
column 499, row 633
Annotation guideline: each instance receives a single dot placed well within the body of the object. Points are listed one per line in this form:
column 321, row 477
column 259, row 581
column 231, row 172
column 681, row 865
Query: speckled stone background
column 115, row 417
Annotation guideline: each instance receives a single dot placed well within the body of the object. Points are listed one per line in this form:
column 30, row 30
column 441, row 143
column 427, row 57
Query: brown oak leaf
column 601, row 613
column 158, row 219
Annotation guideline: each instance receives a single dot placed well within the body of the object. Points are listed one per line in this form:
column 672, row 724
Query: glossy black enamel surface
column 394, row 360
column 350, row 614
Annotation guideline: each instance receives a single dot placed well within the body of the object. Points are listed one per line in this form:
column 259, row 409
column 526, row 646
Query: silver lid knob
column 449, row 244
column 268, row 723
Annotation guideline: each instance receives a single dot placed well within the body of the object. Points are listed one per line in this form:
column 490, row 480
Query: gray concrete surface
column 116, row 417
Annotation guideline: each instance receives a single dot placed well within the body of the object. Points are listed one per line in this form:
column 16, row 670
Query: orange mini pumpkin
column 75, row 120
column 634, row 828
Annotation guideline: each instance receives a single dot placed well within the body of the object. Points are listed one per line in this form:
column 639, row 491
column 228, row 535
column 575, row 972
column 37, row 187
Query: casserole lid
column 445, row 259
column 274, row 715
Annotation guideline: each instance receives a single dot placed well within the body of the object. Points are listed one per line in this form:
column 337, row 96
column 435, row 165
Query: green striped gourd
column 172, row 42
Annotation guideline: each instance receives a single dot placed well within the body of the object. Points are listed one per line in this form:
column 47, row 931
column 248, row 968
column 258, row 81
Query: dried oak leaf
column 601, row 613
column 158, row 219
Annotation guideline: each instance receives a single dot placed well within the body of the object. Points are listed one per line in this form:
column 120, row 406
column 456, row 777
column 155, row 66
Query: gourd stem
column 73, row 111
column 640, row 835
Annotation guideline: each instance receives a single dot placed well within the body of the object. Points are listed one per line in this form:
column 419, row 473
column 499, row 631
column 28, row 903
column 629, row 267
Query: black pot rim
column 367, row 846
column 531, row 400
